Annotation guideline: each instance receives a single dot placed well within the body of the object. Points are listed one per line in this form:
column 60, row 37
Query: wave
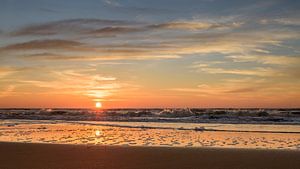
column 199, row 128
column 231, row 116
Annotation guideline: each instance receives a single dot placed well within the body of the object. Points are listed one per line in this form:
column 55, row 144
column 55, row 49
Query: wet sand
column 86, row 134
column 54, row 156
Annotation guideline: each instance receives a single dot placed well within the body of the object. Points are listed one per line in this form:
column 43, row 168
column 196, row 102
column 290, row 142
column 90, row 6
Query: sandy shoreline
column 54, row 156
column 77, row 133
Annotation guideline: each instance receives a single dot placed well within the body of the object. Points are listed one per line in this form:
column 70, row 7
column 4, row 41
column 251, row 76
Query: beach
column 58, row 156
column 151, row 134
column 139, row 84
column 48, row 144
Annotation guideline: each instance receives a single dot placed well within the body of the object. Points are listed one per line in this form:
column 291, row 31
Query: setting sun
column 98, row 105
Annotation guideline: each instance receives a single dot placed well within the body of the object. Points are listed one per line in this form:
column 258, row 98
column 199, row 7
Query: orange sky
column 141, row 54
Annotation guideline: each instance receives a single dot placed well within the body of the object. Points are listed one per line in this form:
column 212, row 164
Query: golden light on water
column 97, row 133
column 108, row 135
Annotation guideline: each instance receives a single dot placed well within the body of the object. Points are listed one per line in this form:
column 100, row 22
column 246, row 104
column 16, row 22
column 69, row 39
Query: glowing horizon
column 126, row 54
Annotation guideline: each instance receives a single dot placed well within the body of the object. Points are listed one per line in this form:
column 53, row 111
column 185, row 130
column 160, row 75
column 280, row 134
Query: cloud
column 240, row 88
column 194, row 25
column 112, row 3
column 245, row 90
column 259, row 71
column 111, row 31
column 67, row 26
column 262, row 66
column 48, row 10
column 176, row 25
column 42, row 44
column 291, row 21
column 73, row 50
column 4, row 71
column 161, row 45
column 167, row 40
column 267, row 59
column 112, row 27
column 70, row 80
column 148, row 42
column 51, row 56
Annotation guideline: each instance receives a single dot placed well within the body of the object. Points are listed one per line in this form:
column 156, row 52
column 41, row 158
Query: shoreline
column 152, row 135
column 88, row 122
column 163, row 121
column 65, row 156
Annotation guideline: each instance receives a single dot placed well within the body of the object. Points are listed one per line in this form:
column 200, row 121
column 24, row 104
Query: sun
column 98, row 105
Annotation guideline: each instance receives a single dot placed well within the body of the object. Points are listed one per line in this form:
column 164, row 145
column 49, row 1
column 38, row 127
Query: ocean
column 226, row 128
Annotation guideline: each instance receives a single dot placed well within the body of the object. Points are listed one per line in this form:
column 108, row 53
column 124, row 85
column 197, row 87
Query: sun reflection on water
column 97, row 133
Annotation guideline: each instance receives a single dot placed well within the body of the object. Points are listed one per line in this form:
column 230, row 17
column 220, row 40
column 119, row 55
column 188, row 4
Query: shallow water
column 152, row 134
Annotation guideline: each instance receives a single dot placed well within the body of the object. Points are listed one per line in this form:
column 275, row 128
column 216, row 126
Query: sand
column 55, row 156
column 75, row 133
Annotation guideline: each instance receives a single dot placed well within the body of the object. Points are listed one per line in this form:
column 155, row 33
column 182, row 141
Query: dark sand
column 47, row 156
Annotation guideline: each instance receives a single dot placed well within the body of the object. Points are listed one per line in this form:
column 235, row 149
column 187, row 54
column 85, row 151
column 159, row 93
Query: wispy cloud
column 42, row 44
column 291, row 21
column 112, row 3
column 82, row 81
column 259, row 71
column 67, row 26
column 4, row 71
column 240, row 88
column 269, row 66
column 112, row 31
column 112, row 27
column 194, row 25
column 9, row 70
column 242, row 45
column 267, row 59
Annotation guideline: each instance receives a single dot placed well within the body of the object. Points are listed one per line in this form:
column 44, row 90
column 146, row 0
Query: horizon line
column 149, row 108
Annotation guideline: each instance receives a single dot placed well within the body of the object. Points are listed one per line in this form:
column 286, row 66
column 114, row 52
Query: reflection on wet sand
column 66, row 133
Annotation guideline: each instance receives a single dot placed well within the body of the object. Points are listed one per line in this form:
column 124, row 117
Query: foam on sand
column 106, row 134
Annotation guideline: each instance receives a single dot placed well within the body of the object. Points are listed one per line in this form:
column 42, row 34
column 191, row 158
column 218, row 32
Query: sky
column 141, row 53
